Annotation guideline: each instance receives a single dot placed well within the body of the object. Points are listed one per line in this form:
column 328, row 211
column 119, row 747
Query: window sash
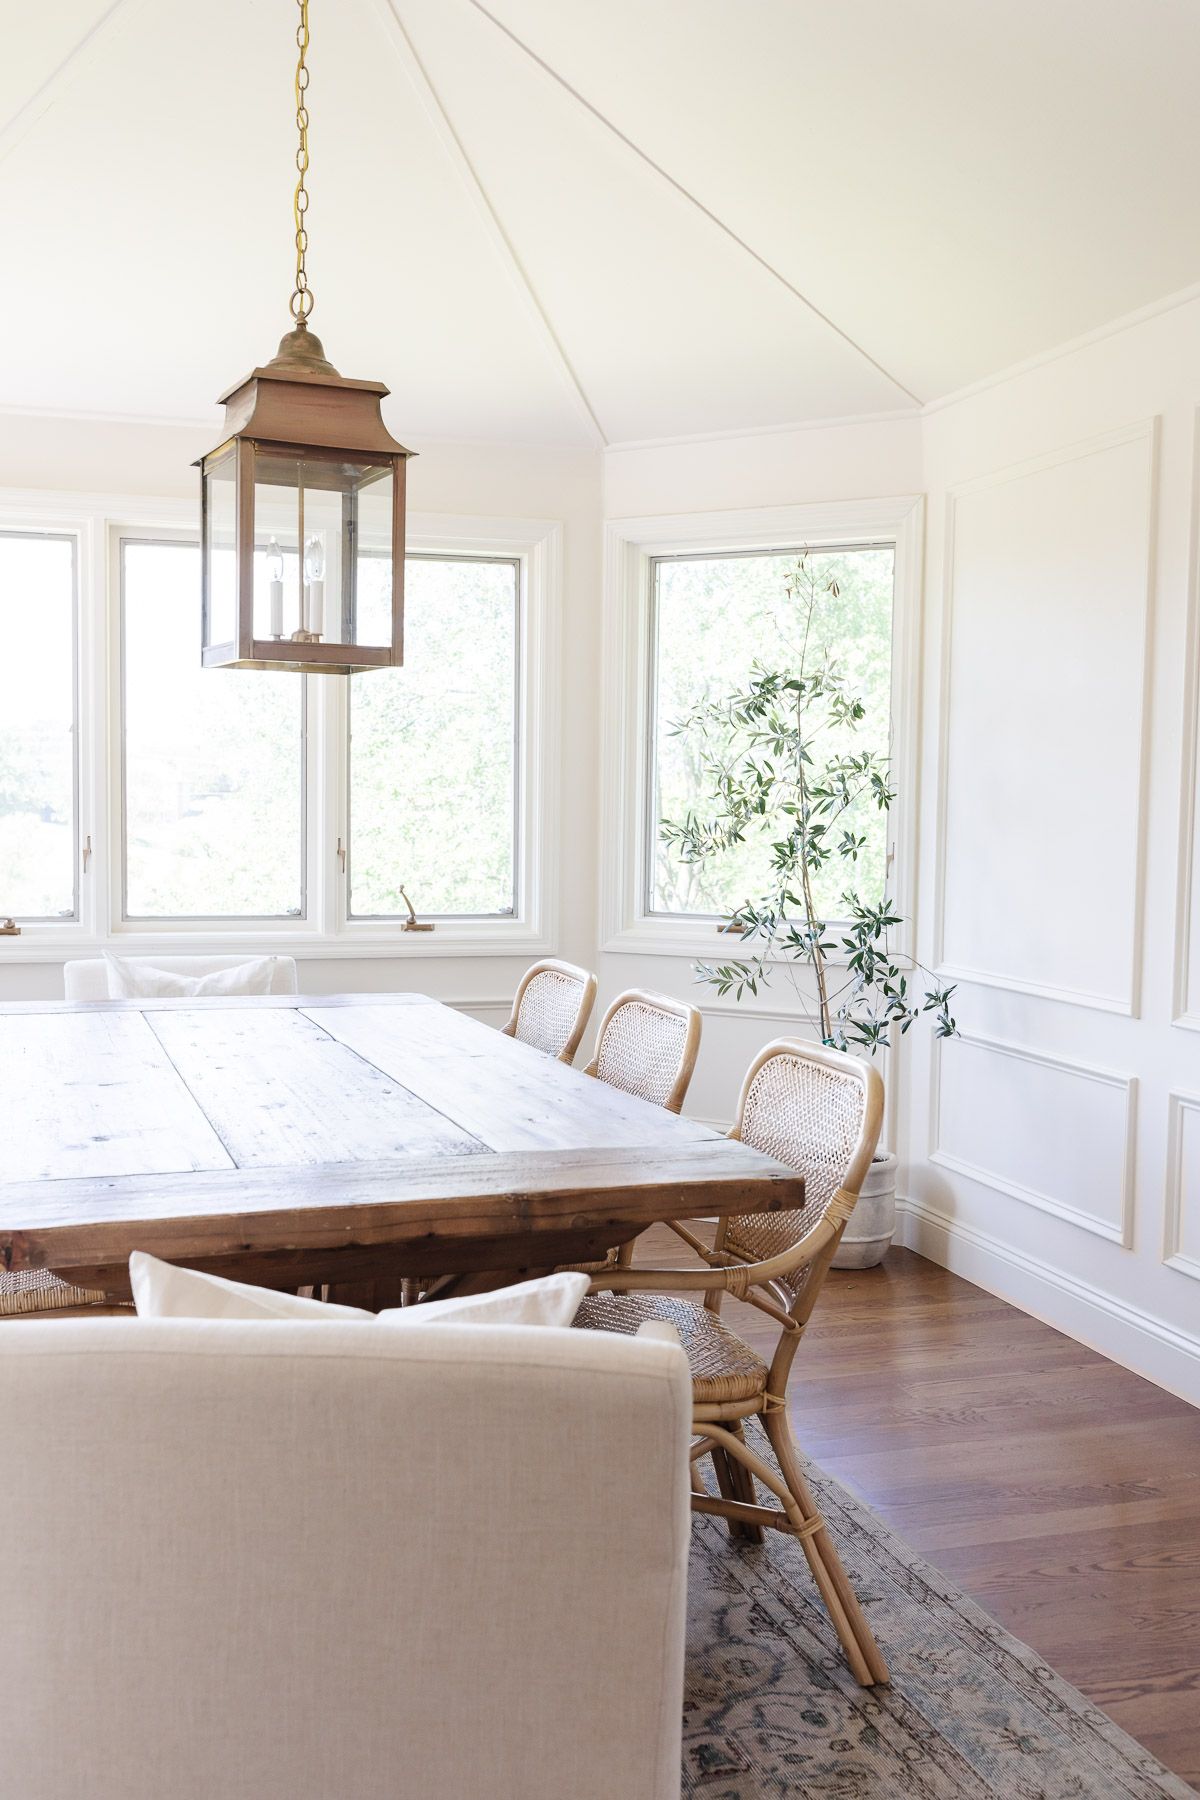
column 150, row 921
column 518, row 738
column 649, row 797
column 71, row 916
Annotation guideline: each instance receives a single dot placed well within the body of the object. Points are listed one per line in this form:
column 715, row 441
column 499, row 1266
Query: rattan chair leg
column 821, row 1549
column 731, row 1482
column 800, row 1518
column 743, row 1488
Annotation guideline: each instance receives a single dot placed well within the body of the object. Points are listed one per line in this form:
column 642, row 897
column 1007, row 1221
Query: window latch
column 9, row 928
column 86, row 854
column 341, row 855
column 412, row 923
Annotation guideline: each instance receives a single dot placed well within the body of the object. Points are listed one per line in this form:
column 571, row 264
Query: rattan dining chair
column 647, row 1045
column 552, row 1007
column 28, row 1292
column 820, row 1111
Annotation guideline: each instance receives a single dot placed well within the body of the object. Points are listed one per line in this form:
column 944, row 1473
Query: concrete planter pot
column 873, row 1221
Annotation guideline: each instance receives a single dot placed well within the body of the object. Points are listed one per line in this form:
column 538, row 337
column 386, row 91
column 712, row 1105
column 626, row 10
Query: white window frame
column 631, row 545
column 99, row 522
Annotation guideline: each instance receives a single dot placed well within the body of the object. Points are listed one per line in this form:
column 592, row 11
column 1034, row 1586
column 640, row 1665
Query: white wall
column 102, row 456
column 1047, row 1151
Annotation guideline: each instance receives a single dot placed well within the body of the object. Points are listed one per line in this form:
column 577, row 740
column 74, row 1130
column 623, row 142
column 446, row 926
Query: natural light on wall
column 713, row 618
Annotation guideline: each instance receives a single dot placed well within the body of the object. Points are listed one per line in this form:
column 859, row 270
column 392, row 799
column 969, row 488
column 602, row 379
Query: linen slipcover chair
column 552, row 1007
column 820, row 1111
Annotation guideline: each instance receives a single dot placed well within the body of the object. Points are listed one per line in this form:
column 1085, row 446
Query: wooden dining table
column 353, row 1140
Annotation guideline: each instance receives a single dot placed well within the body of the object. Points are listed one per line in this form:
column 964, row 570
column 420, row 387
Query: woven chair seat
column 36, row 1290
column 723, row 1367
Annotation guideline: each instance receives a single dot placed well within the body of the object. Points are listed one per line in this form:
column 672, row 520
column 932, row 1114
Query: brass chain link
column 302, row 299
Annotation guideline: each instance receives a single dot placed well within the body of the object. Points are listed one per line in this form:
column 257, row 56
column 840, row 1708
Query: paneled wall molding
column 1126, row 1085
column 1185, row 1014
column 1138, row 1339
column 1179, row 1105
column 1127, row 1000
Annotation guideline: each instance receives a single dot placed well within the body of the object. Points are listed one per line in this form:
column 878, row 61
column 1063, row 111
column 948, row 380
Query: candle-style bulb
column 314, row 559
column 274, row 561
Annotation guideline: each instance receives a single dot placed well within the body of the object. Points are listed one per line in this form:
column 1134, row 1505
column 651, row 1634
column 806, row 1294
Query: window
column 712, row 618
column 152, row 804
column 213, row 759
column 38, row 761
column 433, row 749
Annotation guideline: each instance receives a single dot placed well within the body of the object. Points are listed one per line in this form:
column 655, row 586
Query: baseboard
column 1125, row 1334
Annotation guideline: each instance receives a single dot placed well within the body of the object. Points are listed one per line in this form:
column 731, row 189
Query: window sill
column 48, row 944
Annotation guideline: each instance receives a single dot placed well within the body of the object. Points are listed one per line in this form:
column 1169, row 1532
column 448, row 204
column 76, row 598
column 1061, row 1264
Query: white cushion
column 143, row 981
column 162, row 1291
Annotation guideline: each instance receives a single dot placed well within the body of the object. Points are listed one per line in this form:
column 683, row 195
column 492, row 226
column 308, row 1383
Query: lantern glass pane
column 220, row 514
column 323, row 548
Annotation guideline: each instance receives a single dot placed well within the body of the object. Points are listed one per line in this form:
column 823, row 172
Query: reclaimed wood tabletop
column 345, row 1139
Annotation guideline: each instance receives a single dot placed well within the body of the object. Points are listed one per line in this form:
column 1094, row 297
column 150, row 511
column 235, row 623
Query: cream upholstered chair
column 87, row 979
column 206, row 1609
column 552, row 1007
column 820, row 1111
column 647, row 1046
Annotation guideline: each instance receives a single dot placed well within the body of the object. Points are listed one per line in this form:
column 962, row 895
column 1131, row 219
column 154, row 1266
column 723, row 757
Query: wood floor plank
column 280, row 1091
column 1066, row 1498
column 94, row 1094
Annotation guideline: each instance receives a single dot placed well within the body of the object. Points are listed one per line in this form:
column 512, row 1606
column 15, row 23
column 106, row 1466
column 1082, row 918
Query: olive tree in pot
column 779, row 759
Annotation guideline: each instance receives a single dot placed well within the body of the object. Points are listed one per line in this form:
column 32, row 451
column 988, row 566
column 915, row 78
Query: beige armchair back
column 289, row 1561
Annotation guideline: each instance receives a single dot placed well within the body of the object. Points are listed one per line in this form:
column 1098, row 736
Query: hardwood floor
column 1059, row 1490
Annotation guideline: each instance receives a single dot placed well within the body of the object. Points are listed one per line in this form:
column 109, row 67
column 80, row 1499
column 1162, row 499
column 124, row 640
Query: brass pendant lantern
column 302, row 538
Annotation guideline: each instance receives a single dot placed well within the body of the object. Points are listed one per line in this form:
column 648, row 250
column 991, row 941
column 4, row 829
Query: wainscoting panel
column 1055, row 1134
column 1047, row 602
column 1181, row 1249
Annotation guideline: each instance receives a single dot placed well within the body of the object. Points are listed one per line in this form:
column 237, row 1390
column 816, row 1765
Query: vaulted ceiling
column 578, row 221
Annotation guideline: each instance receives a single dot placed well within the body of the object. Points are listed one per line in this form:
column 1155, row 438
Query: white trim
column 98, row 521
column 1128, row 1004
column 905, row 415
column 1181, row 969
column 1042, row 358
column 1178, row 1102
column 1121, row 1233
column 630, row 544
column 1091, row 1315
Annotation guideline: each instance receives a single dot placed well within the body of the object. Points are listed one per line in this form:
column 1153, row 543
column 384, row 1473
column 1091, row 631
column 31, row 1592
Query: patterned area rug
column 771, row 1712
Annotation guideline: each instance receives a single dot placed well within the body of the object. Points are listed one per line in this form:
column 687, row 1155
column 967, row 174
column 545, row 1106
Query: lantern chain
column 302, row 299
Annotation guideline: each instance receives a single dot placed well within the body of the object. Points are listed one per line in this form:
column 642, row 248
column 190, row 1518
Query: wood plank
column 279, row 1090
column 94, row 1093
column 518, row 1207
column 505, row 1093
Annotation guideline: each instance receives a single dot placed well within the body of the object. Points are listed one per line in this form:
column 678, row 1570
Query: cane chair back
column 552, row 1007
column 811, row 1107
column 647, row 1046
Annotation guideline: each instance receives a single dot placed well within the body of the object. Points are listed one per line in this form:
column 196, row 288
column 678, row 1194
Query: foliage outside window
column 213, row 760
column 38, row 831
column 433, row 749
column 715, row 618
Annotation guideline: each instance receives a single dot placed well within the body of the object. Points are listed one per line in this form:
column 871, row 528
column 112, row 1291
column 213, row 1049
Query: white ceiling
column 578, row 219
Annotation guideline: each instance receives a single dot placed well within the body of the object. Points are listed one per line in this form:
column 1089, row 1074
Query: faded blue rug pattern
column 772, row 1713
